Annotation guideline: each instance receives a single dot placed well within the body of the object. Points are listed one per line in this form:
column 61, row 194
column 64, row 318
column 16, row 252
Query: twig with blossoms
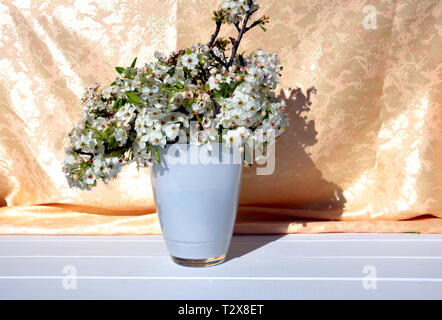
column 252, row 9
column 225, row 15
column 231, row 98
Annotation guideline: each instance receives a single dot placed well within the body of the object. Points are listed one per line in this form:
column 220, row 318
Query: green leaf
column 132, row 97
column 112, row 143
column 157, row 154
column 117, row 103
column 120, row 70
column 134, row 63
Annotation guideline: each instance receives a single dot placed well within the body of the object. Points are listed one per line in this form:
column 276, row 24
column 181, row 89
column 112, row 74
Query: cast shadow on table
column 242, row 245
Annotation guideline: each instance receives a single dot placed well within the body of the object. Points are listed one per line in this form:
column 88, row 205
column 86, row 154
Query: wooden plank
column 215, row 289
column 261, row 246
column 272, row 268
column 330, row 266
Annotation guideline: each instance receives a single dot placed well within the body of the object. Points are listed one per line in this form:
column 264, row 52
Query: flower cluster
column 237, row 9
column 166, row 100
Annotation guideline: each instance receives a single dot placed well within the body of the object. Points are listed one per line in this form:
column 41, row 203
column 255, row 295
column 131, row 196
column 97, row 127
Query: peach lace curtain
column 362, row 155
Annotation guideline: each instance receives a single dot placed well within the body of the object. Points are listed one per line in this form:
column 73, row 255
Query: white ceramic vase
column 196, row 194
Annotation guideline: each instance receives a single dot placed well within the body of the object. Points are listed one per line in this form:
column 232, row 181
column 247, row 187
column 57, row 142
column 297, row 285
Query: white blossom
column 190, row 60
column 171, row 130
column 237, row 9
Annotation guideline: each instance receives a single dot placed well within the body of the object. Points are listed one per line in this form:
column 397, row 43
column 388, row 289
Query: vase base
column 199, row 263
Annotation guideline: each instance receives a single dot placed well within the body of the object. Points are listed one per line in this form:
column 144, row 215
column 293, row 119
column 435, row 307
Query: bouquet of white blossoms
column 229, row 96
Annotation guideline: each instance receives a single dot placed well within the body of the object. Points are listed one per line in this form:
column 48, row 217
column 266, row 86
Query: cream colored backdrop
column 364, row 156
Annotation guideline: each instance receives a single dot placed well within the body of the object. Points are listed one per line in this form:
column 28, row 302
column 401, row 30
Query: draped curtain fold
column 363, row 154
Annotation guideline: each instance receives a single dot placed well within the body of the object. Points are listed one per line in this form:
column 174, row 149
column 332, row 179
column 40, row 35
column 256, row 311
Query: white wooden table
column 328, row 266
